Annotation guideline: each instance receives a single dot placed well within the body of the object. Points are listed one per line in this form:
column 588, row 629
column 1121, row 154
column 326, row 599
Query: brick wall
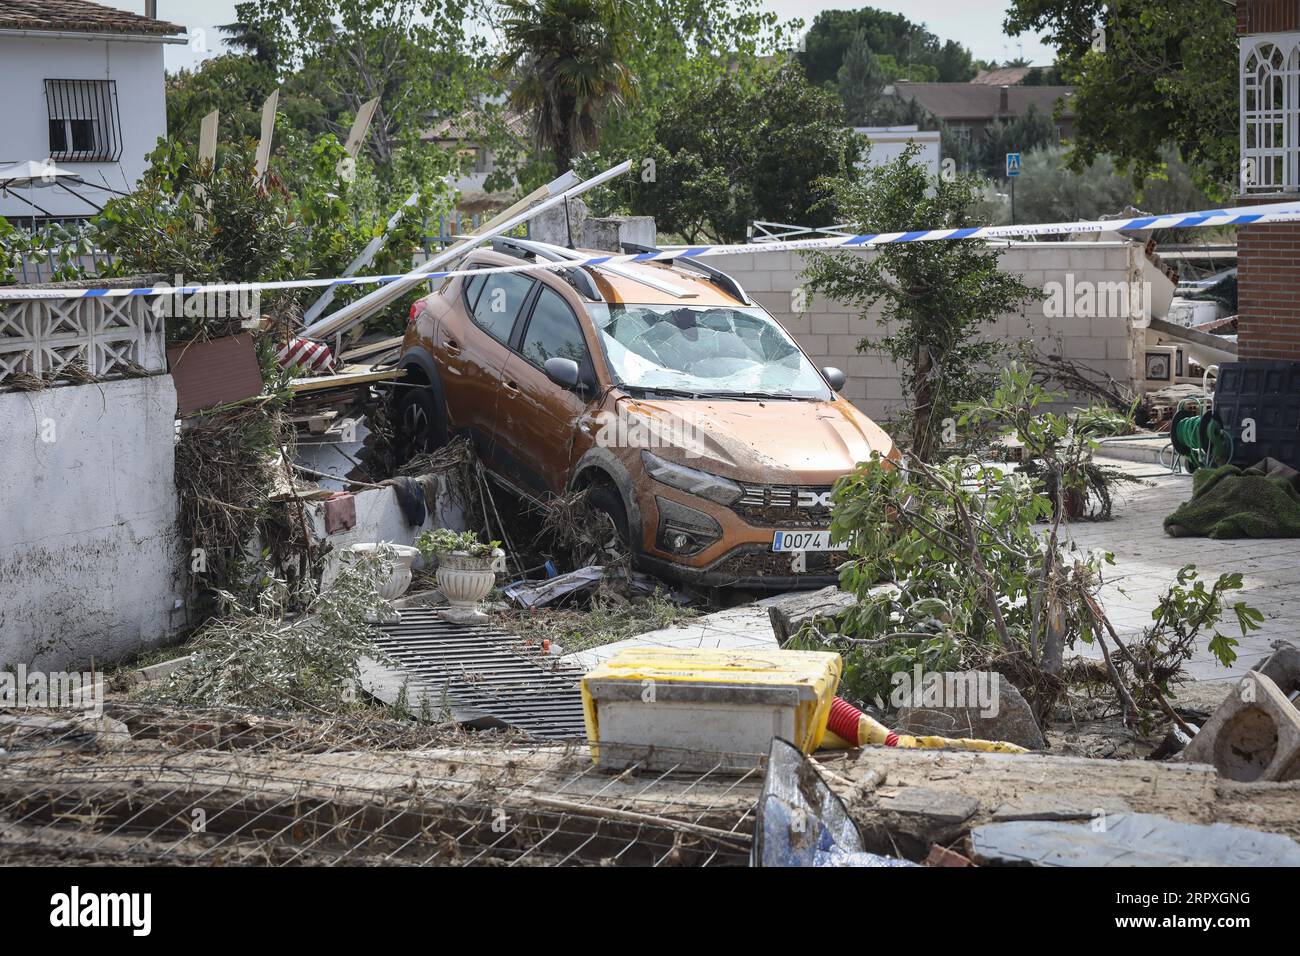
column 1268, row 257
column 1267, row 16
column 1268, row 291
column 830, row 331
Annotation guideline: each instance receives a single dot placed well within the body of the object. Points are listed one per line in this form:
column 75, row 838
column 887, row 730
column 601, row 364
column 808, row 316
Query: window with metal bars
column 84, row 122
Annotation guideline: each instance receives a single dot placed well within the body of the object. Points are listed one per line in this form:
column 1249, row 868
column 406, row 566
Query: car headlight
column 692, row 480
column 684, row 530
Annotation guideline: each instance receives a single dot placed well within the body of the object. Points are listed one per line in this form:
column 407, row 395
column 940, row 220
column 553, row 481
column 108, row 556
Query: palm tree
column 568, row 57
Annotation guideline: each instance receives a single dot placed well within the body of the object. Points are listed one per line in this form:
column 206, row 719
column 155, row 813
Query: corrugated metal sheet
column 481, row 671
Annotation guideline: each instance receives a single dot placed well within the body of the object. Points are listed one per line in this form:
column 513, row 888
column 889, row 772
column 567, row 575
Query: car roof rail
column 523, row 248
column 716, row 276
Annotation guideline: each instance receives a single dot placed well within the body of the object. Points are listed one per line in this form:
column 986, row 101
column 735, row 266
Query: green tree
column 1029, row 131
column 235, row 85
column 416, row 56
column 937, row 295
column 727, row 155
column 1050, row 191
column 906, row 50
column 1149, row 73
column 860, row 81
column 9, row 252
column 569, row 65
column 217, row 222
column 250, row 39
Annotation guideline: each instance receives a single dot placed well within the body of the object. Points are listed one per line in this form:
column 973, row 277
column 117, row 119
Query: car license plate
column 803, row 541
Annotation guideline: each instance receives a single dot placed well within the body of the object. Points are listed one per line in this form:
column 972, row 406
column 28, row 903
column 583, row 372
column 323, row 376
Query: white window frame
column 1269, row 81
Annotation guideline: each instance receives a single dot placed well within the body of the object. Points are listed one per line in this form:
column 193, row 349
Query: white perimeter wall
column 89, row 548
column 26, row 62
column 830, row 331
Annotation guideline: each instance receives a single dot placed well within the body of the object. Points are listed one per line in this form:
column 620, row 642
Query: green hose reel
column 1200, row 437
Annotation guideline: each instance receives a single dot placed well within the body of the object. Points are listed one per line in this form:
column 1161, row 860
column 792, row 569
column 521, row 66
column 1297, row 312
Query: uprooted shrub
column 262, row 657
column 963, row 565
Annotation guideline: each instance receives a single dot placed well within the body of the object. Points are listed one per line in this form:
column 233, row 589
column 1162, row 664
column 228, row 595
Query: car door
column 536, row 418
column 472, row 354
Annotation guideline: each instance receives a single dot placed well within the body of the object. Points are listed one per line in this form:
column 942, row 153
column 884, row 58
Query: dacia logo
column 813, row 499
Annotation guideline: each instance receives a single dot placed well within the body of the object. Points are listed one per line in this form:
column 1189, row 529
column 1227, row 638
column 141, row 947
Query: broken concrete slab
column 790, row 612
column 960, row 710
column 1253, row 736
column 940, row 806
column 1282, row 667
column 163, row 668
column 1129, row 839
column 1054, row 809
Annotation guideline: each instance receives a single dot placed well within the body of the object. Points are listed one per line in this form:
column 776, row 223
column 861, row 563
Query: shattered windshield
column 709, row 351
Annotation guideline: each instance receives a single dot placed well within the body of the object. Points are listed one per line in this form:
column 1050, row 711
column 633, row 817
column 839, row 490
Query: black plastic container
column 1267, row 391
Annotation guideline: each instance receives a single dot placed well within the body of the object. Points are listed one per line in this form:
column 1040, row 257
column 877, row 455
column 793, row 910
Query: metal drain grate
column 483, row 675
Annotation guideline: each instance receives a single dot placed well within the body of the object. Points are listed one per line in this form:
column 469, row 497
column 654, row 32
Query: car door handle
column 512, row 389
column 452, row 347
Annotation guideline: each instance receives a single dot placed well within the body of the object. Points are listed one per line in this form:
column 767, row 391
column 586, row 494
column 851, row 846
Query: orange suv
column 700, row 426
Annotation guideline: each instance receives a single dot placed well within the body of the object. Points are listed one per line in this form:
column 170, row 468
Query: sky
column 975, row 23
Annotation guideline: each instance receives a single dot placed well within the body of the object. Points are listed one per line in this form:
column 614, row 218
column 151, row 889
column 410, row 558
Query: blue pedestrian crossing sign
column 1013, row 164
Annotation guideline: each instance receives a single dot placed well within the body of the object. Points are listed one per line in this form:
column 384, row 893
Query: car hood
column 772, row 442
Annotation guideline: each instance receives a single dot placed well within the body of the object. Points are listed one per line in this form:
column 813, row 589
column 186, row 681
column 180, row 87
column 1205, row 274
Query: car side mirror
column 834, row 378
column 563, row 372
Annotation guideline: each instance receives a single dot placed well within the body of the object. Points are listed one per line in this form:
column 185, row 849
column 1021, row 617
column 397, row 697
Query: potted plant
column 465, row 569
column 393, row 562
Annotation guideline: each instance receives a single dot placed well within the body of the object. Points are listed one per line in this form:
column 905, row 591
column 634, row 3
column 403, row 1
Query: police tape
column 1212, row 218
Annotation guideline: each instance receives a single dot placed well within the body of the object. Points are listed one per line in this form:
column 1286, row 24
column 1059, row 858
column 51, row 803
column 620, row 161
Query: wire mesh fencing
column 149, row 785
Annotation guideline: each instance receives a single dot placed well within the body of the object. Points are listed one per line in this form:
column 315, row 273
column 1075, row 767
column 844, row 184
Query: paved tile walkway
column 1147, row 562
column 746, row 627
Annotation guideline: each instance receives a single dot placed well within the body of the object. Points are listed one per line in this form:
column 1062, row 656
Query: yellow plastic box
column 667, row 709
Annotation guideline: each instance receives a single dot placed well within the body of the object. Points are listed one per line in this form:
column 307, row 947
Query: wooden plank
column 372, row 348
column 267, row 131
column 345, row 379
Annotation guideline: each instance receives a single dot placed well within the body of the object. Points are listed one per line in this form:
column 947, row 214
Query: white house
column 888, row 143
column 83, row 91
column 464, row 135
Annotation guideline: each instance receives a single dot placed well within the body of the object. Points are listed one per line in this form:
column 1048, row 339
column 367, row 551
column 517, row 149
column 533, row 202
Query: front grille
column 479, row 669
column 758, row 562
column 778, row 506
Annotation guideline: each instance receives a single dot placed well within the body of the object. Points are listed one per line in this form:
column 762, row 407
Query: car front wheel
column 418, row 422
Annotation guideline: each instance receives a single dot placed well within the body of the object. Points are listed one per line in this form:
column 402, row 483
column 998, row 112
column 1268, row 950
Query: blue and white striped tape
column 1235, row 216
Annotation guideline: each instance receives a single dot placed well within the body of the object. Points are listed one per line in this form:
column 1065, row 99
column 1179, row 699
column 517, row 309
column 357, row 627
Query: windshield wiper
column 752, row 396
column 660, row 390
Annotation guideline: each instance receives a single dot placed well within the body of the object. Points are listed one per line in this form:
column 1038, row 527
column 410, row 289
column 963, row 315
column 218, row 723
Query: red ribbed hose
column 843, row 721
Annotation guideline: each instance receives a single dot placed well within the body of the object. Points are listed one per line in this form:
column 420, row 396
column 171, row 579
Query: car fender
column 421, row 359
column 604, row 460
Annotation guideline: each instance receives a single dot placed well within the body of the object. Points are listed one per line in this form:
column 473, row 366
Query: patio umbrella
column 44, row 174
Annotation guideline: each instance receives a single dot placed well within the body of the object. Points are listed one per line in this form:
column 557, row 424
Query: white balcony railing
column 107, row 336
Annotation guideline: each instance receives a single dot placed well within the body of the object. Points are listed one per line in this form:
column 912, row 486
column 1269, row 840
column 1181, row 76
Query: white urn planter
column 395, row 585
column 464, row 581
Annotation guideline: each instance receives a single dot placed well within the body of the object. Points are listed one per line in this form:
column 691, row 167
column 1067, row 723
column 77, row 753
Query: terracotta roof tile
column 79, row 16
